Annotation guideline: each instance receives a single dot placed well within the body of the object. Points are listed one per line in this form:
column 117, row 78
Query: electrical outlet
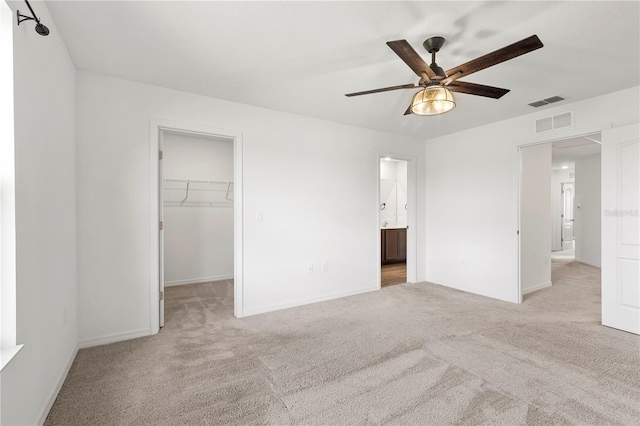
column 462, row 261
column 325, row 267
column 64, row 315
column 310, row 268
column 259, row 214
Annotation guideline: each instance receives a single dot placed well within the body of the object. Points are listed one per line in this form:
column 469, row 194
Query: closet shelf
column 189, row 185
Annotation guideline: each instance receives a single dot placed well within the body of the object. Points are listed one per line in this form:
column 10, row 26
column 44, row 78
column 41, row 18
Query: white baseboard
column 198, row 280
column 302, row 302
column 536, row 288
column 56, row 388
column 597, row 265
column 475, row 291
column 115, row 337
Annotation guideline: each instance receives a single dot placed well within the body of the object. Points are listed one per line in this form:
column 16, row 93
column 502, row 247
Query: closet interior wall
column 198, row 208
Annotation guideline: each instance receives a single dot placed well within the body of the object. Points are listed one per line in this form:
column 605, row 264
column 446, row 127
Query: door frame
column 412, row 234
column 544, row 138
column 156, row 126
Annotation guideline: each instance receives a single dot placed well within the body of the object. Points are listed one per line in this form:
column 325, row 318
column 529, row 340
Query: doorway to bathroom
column 394, row 220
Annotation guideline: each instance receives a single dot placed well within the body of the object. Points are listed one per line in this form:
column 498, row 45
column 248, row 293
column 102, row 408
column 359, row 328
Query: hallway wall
column 535, row 218
column 588, row 210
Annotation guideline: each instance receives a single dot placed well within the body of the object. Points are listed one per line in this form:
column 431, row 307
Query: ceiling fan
column 437, row 84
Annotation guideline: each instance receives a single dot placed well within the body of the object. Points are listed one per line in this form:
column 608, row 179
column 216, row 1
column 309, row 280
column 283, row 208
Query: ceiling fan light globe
column 433, row 100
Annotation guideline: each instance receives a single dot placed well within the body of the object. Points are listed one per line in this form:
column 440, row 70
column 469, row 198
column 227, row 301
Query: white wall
column 198, row 233
column 588, row 210
column 316, row 182
column 471, row 181
column 558, row 177
column 535, row 218
column 45, row 221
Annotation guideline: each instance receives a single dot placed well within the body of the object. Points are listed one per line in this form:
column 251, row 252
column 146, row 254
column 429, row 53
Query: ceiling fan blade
column 477, row 89
column 408, row 111
column 410, row 57
column 384, row 89
column 514, row 50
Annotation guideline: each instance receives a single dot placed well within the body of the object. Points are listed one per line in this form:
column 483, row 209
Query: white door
column 620, row 228
column 567, row 216
column 161, row 235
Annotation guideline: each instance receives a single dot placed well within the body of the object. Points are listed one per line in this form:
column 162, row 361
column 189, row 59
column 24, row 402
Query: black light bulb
column 42, row 30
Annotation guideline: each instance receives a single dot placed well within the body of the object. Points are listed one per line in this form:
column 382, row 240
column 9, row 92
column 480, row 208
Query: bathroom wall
column 393, row 192
column 401, row 192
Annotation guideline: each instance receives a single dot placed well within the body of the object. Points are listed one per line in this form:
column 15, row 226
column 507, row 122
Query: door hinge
column 518, row 232
column 162, row 295
column 160, row 154
column 161, row 225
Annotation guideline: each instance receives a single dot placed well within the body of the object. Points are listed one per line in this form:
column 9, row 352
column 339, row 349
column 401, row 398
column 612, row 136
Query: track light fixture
column 40, row 29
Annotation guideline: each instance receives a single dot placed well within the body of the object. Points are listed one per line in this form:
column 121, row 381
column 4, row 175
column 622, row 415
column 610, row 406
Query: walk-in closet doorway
column 198, row 211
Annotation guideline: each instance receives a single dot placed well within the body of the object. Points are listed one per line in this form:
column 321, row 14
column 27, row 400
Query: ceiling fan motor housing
column 433, row 44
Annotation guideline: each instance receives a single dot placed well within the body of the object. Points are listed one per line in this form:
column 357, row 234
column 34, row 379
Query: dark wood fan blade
column 408, row 111
column 384, row 89
column 477, row 89
column 514, row 50
column 410, row 57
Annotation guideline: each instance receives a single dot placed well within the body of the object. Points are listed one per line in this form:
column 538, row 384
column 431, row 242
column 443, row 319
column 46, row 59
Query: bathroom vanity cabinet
column 394, row 245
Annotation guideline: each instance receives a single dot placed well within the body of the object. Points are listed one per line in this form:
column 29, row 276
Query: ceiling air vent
column 537, row 104
column 553, row 99
column 554, row 122
column 547, row 101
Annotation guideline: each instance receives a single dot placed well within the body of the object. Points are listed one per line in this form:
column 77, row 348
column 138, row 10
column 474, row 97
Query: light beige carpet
column 417, row 354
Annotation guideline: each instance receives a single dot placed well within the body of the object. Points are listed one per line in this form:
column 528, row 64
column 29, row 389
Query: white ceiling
column 302, row 57
column 565, row 152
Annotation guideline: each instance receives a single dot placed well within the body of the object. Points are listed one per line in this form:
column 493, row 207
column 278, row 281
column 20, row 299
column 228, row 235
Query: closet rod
column 228, row 190
column 197, row 181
